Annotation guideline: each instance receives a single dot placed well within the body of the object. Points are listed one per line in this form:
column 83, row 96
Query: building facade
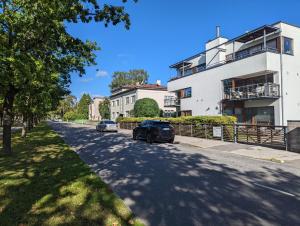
column 122, row 100
column 94, row 114
column 255, row 77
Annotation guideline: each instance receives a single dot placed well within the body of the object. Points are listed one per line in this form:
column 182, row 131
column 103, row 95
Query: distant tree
column 68, row 103
column 83, row 105
column 146, row 107
column 131, row 77
column 104, row 109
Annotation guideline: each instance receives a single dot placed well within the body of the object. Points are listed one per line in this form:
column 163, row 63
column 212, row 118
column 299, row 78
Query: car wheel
column 149, row 138
column 171, row 141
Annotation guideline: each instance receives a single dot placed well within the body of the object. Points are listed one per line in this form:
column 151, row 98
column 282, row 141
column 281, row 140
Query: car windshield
column 108, row 122
column 161, row 124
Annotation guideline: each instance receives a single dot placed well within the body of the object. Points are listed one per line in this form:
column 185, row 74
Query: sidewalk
column 252, row 151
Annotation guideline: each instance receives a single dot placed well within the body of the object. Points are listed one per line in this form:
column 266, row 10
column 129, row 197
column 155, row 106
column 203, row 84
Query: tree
column 83, row 105
column 68, row 103
column 35, row 44
column 146, row 107
column 129, row 78
column 104, row 109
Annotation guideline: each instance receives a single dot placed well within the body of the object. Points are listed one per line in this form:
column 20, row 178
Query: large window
column 118, row 103
column 287, row 45
column 188, row 92
column 127, row 100
column 133, row 99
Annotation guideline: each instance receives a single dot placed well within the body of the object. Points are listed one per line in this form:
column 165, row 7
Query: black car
column 153, row 130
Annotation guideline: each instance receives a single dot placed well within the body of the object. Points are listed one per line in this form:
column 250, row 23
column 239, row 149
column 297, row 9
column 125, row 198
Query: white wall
column 291, row 75
column 94, row 109
column 207, row 86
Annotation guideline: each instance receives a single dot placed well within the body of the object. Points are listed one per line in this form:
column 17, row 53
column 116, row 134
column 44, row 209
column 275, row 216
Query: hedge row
column 188, row 119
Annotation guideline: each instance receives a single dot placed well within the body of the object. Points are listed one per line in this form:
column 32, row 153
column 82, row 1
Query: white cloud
column 86, row 79
column 101, row 73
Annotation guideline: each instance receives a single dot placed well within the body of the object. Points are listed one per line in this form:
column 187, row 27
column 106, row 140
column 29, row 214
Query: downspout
column 281, row 82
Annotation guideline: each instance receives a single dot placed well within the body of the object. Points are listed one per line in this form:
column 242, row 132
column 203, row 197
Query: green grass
column 46, row 183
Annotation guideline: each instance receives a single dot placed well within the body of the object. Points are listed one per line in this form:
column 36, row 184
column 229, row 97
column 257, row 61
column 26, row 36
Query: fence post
column 235, row 133
column 191, row 130
column 222, row 133
column 258, row 134
column 205, row 132
column 285, row 138
column 179, row 128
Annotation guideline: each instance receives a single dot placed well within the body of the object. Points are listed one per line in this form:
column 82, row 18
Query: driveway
column 173, row 184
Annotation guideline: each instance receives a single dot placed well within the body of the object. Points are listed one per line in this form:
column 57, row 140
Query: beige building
column 94, row 114
column 123, row 99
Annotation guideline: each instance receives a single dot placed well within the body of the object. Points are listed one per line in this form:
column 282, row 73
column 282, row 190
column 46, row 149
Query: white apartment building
column 122, row 100
column 94, row 114
column 255, row 76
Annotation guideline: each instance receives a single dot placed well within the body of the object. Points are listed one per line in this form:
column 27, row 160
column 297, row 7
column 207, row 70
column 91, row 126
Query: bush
column 72, row 116
column 146, row 107
column 216, row 120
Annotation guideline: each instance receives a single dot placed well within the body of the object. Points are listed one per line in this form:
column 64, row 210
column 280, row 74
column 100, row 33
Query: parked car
column 107, row 125
column 154, row 130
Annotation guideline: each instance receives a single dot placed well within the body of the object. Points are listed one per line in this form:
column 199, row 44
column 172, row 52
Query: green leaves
column 146, row 107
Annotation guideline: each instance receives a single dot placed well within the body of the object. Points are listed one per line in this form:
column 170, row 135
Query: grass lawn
column 46, row 183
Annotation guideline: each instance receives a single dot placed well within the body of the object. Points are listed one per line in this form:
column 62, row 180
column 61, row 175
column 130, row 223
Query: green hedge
column 188, row 119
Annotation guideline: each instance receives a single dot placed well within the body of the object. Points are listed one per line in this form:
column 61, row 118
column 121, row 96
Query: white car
column 107, row 125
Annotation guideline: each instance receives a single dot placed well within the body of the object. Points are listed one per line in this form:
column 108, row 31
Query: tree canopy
column 83, row 105
column 35, row 46
column 132, row 77
column 104, row 109
column 146, row 107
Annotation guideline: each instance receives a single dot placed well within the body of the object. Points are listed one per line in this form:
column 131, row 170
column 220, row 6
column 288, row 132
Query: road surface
column 172, row 184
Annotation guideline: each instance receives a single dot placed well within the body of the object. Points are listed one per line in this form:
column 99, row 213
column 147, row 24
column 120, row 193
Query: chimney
column 158, row 82
column 217, row 31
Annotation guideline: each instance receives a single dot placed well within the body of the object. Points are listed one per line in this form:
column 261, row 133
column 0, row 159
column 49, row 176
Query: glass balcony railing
column 171, row 102
column 253, row 91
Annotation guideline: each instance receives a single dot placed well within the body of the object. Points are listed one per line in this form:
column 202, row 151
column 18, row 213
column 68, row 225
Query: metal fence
column 272, row 136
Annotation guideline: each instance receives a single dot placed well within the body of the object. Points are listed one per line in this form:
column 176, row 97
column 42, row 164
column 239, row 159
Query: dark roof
column 255, row 33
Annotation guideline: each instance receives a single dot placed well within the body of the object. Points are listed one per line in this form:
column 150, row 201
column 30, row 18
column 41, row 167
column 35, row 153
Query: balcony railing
column 229, row 58
column 171, row 102
column 254, row 91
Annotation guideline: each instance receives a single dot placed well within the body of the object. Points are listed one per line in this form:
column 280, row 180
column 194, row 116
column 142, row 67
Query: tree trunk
column 8, row 119
column 24, row 126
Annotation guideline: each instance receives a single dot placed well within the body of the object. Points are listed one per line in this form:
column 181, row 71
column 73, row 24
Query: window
column 127, row 114
column 127, row 100
column 287, row 45
column 188, row 92
column 118, row 103
column 113, row 114
column 113, row 103
column 132, row 99
column 186, row 113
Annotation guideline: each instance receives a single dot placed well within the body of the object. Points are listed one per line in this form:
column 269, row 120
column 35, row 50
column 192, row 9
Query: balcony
column 230, row 58
column 171, row 102
column 253, row 91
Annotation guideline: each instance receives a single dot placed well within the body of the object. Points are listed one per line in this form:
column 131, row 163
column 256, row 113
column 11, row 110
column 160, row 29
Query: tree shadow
column 166, row 185
column 45, row 183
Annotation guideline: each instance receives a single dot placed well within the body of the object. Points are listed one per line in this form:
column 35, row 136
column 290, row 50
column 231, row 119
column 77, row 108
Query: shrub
column 216, row 120
column 72, row 116
column 146, row 107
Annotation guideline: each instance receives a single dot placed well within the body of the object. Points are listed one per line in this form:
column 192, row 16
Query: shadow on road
column 168, row 186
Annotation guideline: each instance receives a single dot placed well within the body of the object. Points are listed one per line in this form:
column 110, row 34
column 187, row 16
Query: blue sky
column 166, row 31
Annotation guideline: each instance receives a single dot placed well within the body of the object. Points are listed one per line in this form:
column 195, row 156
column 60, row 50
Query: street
column 173, row 184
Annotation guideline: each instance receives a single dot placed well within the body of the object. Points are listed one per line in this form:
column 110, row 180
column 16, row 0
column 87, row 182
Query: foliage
column 216, row 120
column 35, row 44
column 46, row 183
column 83, row 106
column 131, row 77
column 72, row 116
column 68, row 103
column 104, row 109
column 146, row 107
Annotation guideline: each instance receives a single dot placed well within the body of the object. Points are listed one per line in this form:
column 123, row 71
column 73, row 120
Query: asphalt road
column 171, row 184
